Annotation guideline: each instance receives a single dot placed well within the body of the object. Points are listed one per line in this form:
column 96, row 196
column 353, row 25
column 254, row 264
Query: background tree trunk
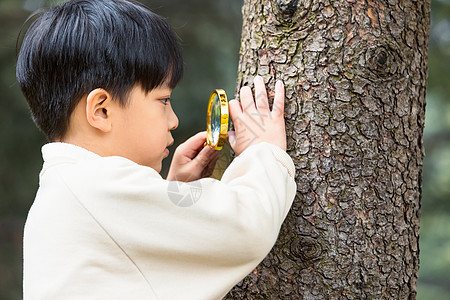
column 355, row 74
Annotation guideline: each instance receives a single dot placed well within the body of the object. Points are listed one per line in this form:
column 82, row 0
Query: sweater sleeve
column 206, row 234
column 261, row 183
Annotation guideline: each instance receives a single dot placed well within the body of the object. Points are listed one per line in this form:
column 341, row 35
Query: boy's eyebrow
column 165, row 96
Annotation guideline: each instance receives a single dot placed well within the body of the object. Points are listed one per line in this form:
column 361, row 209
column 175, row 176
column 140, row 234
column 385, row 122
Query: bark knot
column 287, row 7
column 305, row 248
column 382, row 61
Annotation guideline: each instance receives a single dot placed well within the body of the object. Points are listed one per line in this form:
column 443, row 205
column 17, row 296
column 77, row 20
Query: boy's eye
column 165, row 100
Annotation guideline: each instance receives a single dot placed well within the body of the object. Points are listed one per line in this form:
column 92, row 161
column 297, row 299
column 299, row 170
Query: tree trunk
column 355, row 74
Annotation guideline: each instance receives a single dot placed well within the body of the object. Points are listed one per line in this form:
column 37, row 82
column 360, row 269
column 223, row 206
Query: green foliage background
column 210, row 34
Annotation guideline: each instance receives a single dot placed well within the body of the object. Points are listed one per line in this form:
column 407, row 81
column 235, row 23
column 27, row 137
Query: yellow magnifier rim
column 217, row 133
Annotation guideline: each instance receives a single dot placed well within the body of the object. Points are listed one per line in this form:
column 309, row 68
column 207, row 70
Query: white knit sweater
column 107, row 228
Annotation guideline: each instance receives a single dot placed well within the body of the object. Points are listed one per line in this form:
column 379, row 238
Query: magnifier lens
column 215, row 119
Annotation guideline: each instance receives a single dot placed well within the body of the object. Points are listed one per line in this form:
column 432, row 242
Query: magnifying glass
column 217, row 119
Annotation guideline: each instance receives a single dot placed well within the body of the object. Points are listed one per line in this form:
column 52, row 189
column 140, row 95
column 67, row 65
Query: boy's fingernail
column 279, row 84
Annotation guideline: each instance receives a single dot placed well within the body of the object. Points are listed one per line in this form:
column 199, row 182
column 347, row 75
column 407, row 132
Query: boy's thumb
column 232, row 139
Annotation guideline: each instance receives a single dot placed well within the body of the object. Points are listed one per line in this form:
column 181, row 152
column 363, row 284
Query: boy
column 98, row 75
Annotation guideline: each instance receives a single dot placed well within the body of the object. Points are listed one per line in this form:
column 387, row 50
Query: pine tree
column 355, row 75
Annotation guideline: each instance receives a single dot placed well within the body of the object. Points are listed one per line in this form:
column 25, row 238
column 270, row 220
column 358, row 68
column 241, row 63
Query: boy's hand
column 192, row 160
column 254, row 122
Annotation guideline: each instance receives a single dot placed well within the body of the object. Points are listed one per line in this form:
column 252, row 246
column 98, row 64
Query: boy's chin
column 155, row 166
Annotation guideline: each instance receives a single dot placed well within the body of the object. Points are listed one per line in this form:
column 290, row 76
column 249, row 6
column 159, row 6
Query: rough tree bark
column 355, row 74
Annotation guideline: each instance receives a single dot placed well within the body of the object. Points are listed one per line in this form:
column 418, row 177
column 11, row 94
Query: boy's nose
column 173, row 120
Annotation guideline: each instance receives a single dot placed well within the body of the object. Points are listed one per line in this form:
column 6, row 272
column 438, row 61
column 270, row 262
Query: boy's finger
column 204, row 157
column 192, row 145
column 208, row 171
column 213, row 161
column 247, row 102
column 232, row 139
column 235, row 109
column 261, row 94
column 278, row 102
column 197, row 139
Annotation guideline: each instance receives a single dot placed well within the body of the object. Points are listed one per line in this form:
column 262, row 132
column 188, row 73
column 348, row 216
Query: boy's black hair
column 73, row 48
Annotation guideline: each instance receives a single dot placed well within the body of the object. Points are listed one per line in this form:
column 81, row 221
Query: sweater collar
column 56, row 153
column 64, row 151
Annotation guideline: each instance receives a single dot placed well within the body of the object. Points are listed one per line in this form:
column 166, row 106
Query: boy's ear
column 98, row 109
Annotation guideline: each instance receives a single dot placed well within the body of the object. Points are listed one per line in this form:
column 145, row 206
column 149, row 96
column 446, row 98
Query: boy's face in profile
column 141, row 129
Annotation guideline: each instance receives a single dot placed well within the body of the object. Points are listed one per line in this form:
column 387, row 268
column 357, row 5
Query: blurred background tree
column 210, row 35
